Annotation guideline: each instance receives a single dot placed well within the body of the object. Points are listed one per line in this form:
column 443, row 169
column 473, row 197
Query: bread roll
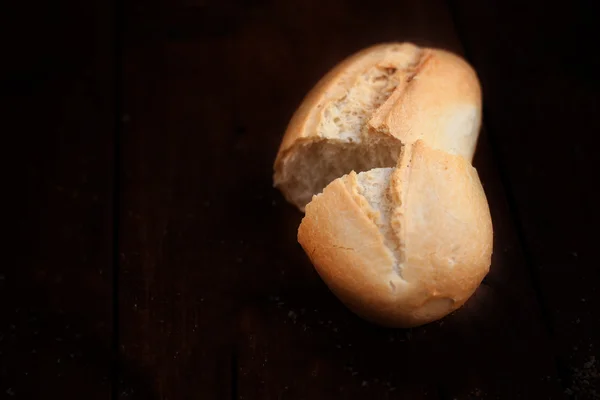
column 361, row 113
column 378, row 156
column 402, row 246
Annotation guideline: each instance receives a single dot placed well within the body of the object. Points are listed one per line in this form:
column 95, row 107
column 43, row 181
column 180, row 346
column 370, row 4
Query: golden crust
column 445, row 227
column 440, row 104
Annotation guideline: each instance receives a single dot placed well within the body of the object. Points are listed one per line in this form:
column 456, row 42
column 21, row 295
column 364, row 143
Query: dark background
column 149, row 256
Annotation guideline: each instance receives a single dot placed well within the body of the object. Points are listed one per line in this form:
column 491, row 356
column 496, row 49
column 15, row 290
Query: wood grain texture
column 217, row 298
column 57, row 120
column 541, row 89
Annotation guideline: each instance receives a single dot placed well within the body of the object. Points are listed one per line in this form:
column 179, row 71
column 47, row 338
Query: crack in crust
column 381, row 194
column 399, row 187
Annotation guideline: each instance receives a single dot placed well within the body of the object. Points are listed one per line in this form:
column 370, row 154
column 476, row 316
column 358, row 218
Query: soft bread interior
column 313, row 165
column 342, row 143
column 377, row 188
column 347, row 117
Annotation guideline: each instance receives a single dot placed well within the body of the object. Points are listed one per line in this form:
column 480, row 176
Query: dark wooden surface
column 56, row 295
column 542, row 98
column 195, row 278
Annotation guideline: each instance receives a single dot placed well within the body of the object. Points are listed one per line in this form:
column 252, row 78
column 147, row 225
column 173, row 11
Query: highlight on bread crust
column 361, row 113
column 402, row 246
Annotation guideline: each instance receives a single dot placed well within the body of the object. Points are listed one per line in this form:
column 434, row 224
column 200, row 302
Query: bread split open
column 378, row 156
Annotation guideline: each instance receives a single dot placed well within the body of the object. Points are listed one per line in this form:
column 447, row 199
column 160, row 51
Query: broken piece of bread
column 378, row 156
column 402, row 246
column 360, row 114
